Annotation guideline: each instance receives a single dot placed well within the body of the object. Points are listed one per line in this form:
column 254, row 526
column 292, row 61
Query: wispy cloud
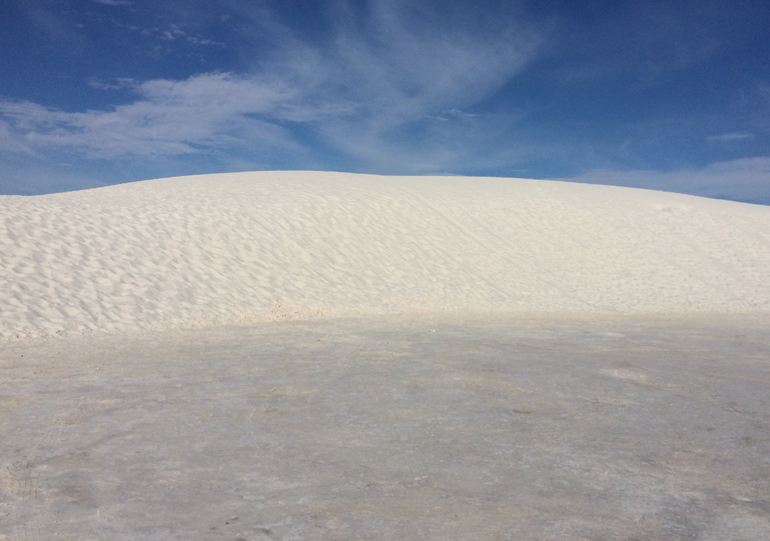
column 730, row 136
column 177, row 32
column 169, row 118
column 9, row 140
column 114, row 2
column 114, row 84
column 392, row 79
column 746, row 179
column 406, row 74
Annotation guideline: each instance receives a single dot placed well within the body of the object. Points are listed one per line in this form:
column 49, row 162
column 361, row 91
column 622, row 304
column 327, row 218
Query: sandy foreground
column 645, row 429
column 302, row 356
column 248, row 247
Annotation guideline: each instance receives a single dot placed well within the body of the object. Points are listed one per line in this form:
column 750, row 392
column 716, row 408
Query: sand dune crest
column 232, row 248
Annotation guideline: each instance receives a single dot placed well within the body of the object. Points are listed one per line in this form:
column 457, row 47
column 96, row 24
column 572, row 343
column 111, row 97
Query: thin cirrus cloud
column 376, row 76
column 114, row 2
column 744, row 179
column 169, row 118
column 730, row 136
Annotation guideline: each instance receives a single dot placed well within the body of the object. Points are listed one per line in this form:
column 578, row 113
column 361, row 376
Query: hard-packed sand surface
column 239, row 248
column 525, row 430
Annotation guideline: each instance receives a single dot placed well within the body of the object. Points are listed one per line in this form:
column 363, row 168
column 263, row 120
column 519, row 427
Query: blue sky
column 665, row 95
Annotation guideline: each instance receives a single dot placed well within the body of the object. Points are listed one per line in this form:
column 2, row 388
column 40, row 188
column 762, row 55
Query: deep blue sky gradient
column 666, row 95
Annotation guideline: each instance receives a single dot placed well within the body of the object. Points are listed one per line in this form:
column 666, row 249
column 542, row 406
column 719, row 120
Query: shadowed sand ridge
column 233, row 248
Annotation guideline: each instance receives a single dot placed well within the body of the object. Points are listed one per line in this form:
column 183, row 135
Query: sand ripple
column 233, row 248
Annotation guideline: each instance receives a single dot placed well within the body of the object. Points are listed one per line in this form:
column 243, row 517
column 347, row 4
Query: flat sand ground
column 520, row 429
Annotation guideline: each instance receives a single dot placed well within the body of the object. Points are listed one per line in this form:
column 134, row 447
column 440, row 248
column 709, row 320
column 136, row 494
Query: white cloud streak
column 170, row 118
column 729, row 137
column 114, row 2
column 746, row 179
column 116, row 84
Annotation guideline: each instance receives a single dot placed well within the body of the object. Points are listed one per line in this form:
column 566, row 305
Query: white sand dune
column 233, row 248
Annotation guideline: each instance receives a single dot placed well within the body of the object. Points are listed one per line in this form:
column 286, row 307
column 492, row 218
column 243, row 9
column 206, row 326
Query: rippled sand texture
column 234, row 248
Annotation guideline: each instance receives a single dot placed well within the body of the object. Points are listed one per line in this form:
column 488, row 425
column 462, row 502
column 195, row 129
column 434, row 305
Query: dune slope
column 234, row 248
